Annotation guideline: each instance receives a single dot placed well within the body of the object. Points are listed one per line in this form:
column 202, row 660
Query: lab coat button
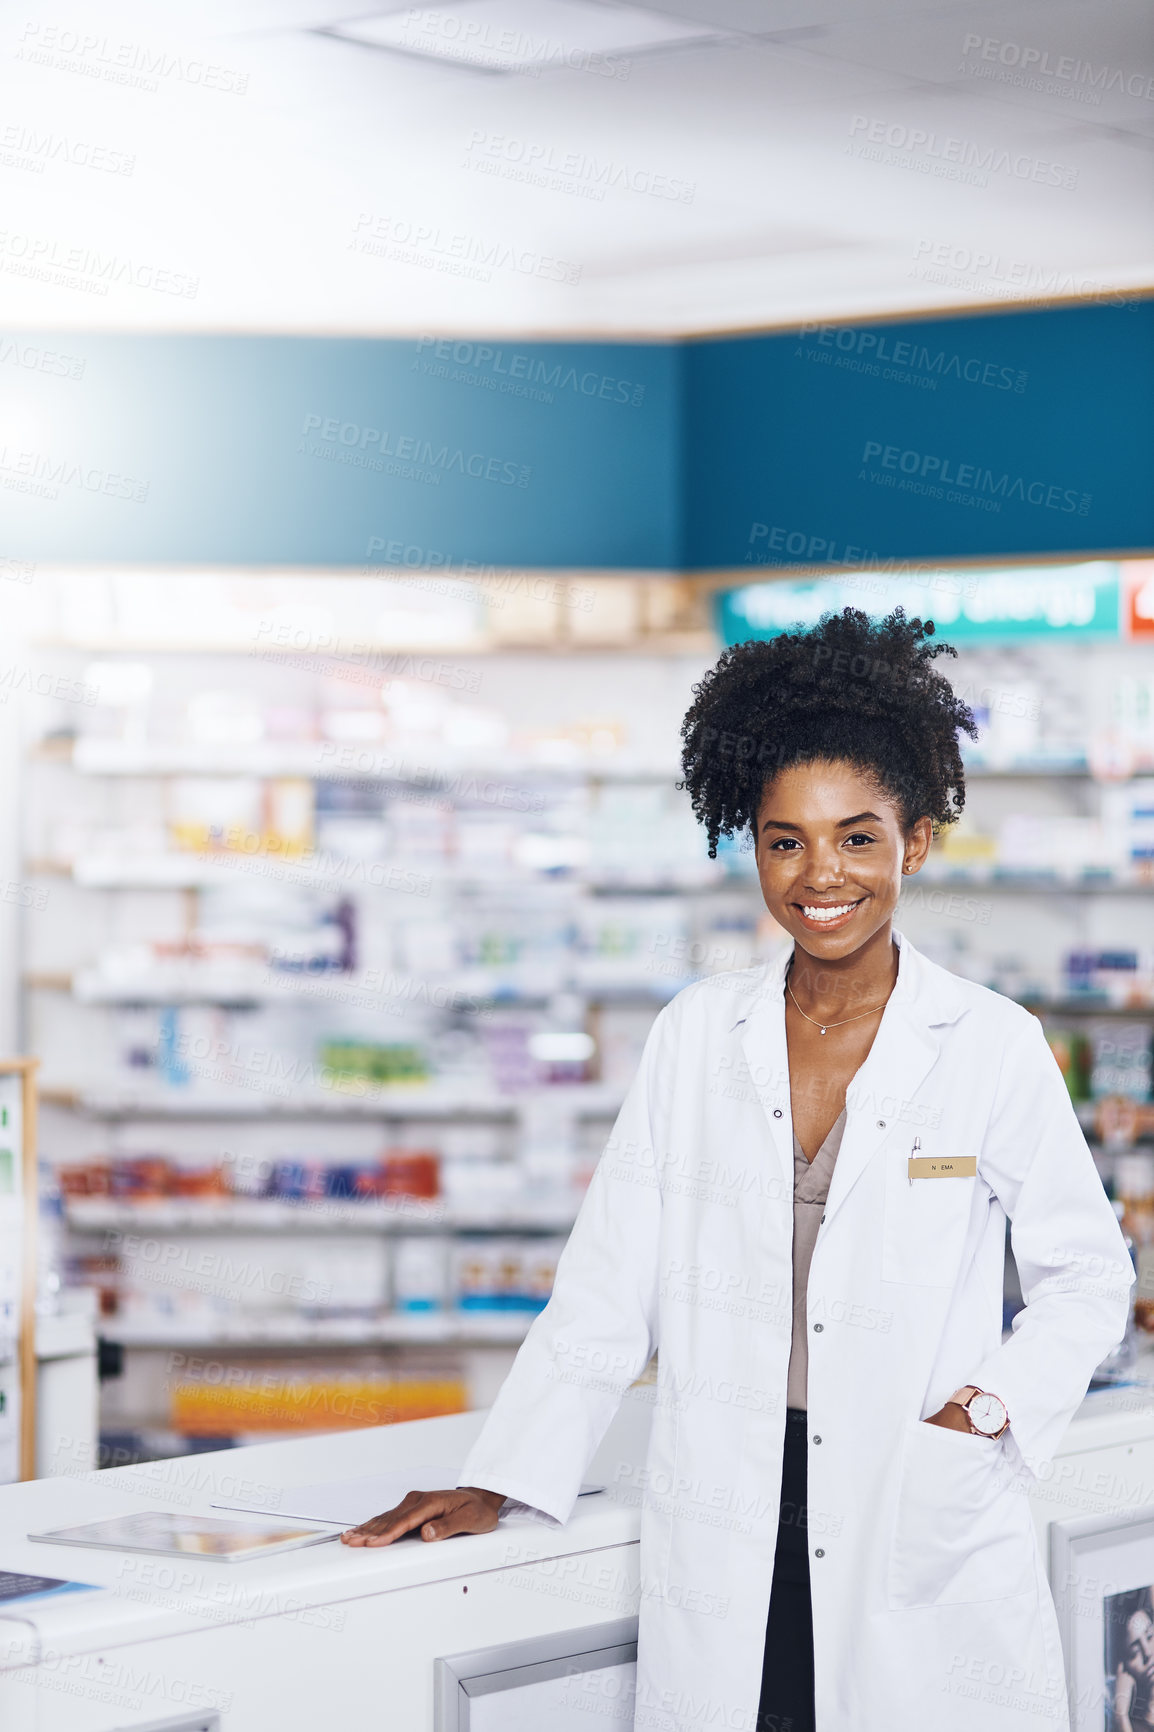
column 819, row 1553
column 881, row 1124
column 817, row 1440
column 777, row 1112
column 818, row 1327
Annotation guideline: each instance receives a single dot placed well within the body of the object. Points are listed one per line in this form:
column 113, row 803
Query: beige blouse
column 810, row 1190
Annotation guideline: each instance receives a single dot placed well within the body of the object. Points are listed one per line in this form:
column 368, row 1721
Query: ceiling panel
column 230, row 167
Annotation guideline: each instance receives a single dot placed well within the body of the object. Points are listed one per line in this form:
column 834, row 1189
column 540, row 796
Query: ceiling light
column 526, row 35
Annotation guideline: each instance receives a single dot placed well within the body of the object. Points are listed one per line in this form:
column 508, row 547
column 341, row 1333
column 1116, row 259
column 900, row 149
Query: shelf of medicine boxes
column 98, row 756
column 292, row 1333
column 1023, row 883
column 376, row 761
column 402, row 1215
column 583, row 1100
column 247, row 987
column 320, row 760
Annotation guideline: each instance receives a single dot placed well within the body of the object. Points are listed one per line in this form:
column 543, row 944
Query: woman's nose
column 825, row 870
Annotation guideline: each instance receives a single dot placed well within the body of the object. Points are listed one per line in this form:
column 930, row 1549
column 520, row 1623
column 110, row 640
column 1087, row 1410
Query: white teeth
column 827, row 913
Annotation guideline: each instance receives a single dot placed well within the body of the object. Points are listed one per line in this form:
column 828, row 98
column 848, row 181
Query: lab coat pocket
column 962, row 1533
column 925, row 1226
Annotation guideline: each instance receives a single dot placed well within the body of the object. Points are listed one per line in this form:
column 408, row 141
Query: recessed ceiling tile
column 524, row 35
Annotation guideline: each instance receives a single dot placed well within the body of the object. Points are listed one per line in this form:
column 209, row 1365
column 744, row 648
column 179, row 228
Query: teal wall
column 1010, row 433
column 305, row 451
column 1005, row 433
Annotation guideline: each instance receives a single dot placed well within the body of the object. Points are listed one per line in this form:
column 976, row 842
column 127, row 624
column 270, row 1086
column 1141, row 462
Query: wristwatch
column 986, row 1413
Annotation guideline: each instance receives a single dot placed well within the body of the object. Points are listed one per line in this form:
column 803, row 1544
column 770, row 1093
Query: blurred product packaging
column 1071, row 1049
column 1121, row 978
column 421, row 1273
column 1121, row 1063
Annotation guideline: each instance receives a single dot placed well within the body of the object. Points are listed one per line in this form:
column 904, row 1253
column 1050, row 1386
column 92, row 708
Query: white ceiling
column 267, row 197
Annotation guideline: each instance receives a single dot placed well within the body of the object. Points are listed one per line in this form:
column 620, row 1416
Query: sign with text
column 988, row 606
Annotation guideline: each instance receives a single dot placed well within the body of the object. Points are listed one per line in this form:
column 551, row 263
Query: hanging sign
column 988, row 606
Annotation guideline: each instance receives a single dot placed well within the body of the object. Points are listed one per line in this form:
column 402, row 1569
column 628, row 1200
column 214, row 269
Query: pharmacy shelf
column 254, row 987
column 178, row 871
column 363, row 760
column 1024, row 883
column 588, row 1101
column 291, row 1332
column 377, row 760
column 135, row 1443
column 1071, row 769
column 405, row 1216
column 697, row 641
column 1086, row 1007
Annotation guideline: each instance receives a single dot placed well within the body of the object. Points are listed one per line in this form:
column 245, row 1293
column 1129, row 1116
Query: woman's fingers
column 414, row 1508
column 436, row 1514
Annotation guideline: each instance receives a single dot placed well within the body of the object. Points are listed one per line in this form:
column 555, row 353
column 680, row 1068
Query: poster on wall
column 1102, row 1578
column 1128, row 1684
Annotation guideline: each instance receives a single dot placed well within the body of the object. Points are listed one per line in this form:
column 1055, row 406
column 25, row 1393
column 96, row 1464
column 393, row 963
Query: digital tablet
column 191, row 1536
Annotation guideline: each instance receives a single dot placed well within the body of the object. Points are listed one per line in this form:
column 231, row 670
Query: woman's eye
column 858, row 837
column 784, row 844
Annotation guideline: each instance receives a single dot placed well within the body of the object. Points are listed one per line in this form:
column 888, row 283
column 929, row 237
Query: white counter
column 292, row 1643
column 289, row 1641
column 1106, row 1460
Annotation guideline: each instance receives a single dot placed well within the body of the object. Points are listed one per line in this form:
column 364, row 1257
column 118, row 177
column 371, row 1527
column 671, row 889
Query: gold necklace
column 822, row 1028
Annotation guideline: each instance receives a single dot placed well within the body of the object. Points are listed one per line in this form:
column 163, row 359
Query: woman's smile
column 827, row 916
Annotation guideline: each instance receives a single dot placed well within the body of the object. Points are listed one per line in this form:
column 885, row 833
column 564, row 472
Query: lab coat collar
column 880, row 1100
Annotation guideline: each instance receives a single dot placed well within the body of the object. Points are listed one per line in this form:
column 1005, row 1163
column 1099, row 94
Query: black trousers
column 787, row 1668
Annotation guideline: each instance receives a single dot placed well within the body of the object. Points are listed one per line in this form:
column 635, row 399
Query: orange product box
column 270, row 1400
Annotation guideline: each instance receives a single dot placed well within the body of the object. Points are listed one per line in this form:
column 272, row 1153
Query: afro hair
column 852, row 689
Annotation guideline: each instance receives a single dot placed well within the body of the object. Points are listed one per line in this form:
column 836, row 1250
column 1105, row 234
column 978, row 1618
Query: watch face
column 987, row 1414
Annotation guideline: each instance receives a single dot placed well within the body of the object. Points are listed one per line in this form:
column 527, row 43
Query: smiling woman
column 877, row 1120
column 838, row 747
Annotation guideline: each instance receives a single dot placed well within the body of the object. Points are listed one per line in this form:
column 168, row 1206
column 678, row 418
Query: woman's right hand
column 1124, row 1691
column 438, row 1514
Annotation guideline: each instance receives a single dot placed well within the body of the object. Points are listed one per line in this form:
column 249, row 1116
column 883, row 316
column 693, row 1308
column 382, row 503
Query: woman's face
column 831, row 855
column 1138, row 1658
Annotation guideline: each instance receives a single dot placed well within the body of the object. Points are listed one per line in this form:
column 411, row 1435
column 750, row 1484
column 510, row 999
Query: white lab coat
column 930, row 1602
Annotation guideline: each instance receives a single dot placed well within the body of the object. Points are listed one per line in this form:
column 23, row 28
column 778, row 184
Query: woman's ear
column 918, row 838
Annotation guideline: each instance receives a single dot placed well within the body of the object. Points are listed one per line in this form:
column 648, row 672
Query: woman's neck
column 828, row 990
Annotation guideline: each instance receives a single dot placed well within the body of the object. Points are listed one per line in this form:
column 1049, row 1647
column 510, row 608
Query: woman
column 838, row 1138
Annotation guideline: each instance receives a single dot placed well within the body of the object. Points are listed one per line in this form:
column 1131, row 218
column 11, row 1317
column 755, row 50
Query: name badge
column 943, row 1167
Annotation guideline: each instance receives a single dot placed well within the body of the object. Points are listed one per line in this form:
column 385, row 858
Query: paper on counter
column 349, row 1502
